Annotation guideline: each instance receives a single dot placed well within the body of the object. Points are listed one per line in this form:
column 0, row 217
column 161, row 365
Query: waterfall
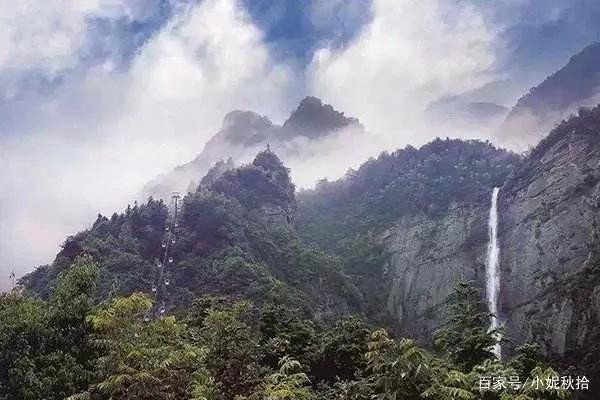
column 493, row 266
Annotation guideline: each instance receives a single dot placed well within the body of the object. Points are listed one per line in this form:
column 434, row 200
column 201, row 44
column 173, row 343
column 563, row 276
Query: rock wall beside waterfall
column 550, row 251
column 429, row 255
column 550, row 211
column 434, row 203
column 429, row 208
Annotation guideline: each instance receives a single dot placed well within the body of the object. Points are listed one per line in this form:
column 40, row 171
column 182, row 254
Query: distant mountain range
column 466, row 111
column 575, row 85
column 245, row 132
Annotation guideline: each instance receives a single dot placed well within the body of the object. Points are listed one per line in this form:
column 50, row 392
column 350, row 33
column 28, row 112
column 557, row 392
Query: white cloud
column 46, row 35
column 104, row 133
column 331, row 157
column 90, row 144
column 411, row 53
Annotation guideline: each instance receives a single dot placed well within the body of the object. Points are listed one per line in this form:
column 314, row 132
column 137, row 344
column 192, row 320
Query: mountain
column 244, row 133
column 313, row 119
column 410, row 224
column 575, row 85
column 387, row 242
column 461, row 110
column 235, row 237
column 550, row 259
column 428, row 210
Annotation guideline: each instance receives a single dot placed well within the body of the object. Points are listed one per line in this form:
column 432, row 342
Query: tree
column 465, row 336
column 142, row 359
column 45, row 349
column 22, row 328
column 342, row 352
column 397, row 369
column 289, row 383
column 230, row 343
column 285, row 333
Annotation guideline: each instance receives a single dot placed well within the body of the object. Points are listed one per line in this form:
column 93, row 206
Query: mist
column 92, row 143
column 81, row 134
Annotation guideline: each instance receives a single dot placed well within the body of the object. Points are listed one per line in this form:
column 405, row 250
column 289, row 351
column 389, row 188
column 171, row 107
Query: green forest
column 255, row 306
column 72, row 346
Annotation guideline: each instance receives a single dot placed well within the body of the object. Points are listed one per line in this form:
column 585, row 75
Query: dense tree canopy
column 72, row 346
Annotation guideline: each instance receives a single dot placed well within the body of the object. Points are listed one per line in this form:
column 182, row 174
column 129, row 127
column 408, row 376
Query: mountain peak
column 242, row 127
column 244, row 118
column 313, row 119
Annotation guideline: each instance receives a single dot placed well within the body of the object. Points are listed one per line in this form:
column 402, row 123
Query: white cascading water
column 493, row 266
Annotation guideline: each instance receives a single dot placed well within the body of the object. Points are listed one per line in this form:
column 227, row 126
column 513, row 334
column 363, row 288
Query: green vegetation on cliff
column 235, row 237
column 424, row 181
column 70, row 346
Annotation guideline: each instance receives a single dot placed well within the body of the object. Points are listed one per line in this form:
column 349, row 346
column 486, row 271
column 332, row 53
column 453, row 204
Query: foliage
column 235, row 237
column 289, row 383
column 341, row 355
column 232, row 352
column 465, row 336
column 45, row 348
column 77, row 347
column 406, row 182
column 142, row 359
column 256, row 311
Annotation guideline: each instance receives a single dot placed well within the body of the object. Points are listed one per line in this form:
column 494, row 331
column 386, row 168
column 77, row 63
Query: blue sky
column 99, row 96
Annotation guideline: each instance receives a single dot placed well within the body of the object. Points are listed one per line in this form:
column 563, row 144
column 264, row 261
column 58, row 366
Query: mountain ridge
column 576, row 84
column 243, row 133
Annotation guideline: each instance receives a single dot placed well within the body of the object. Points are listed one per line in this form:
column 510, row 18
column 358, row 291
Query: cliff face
column 549, row 234
column 428, row 207
column 550, row 261
column 428, row 257
column 550, row 251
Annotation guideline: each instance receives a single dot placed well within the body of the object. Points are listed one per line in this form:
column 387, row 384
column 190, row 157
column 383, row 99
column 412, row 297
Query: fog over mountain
column 313, row 131
column 99, row 98
column 575, row 85
column 300, row 200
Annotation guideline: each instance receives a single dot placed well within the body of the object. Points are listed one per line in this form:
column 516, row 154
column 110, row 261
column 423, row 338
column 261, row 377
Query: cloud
column 93, row 140
column 99, row 96
column 46, row 36
column 333, row 156
column 539, row 36
column 411, row 53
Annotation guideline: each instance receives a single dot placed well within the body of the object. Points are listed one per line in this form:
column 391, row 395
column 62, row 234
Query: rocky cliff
column 429, row 255
column 428, row 208
column 550, row 209
column 550, row 251
column 549, row 234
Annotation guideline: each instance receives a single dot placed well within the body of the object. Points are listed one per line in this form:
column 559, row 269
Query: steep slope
column 409, row 225
column 244, row 133
column 235, row 237
column 577, row 84
column 550, row 239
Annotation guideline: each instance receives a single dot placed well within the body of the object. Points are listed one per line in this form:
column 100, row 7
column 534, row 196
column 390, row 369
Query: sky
column 97, row 97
